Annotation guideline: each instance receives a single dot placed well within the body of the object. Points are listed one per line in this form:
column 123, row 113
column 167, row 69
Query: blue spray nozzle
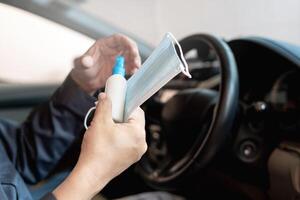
column 119, row 66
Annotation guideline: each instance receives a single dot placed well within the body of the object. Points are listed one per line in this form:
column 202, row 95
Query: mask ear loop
column 184, row 66
column 87, row 116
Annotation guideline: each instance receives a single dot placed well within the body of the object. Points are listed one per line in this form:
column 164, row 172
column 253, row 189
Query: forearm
column 107, row 150
column 82, row 184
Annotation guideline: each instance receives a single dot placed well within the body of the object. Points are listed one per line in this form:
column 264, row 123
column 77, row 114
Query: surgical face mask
column 165, row 62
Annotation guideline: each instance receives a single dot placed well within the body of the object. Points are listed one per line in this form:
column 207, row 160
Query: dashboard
column 285, row 100
column 269, row 111
column 271, row 81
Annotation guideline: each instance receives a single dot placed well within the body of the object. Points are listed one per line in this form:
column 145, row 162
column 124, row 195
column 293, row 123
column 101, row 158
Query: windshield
column 40, row 38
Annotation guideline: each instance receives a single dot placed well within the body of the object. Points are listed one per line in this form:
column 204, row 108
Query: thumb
column 103, row 111
column 85, row 62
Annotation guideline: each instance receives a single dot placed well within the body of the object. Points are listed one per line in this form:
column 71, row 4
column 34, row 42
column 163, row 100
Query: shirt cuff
column 70, row 95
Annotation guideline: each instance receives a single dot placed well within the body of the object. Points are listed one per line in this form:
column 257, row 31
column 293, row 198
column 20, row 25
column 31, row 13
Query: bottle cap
column 119, row 66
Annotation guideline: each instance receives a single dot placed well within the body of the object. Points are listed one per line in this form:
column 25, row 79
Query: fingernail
column 137, row 61
column 87, row 61
column 134, row 70
column 102, row 96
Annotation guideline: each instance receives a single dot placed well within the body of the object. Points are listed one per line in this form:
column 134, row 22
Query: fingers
column 108, row 48
column 137, row 117
column 103, row 113
column 130, row 51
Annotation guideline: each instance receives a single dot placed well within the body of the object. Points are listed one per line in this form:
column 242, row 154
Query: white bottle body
column 115, row 89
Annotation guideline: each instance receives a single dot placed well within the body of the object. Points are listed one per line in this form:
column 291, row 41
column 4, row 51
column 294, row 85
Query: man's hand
column 92, row 69
column 117, row 144
column 107, row 149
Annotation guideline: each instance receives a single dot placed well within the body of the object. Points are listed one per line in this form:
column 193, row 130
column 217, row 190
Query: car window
column 36, row 50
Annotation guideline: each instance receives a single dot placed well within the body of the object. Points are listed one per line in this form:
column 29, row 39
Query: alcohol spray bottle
column 115, row 89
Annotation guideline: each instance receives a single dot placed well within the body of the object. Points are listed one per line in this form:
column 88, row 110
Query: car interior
column 231, row 131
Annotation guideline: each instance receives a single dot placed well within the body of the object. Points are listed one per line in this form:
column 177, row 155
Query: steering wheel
column 193, row 125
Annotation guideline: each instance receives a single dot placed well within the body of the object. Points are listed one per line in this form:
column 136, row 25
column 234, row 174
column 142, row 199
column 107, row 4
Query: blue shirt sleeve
column 35, row 146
